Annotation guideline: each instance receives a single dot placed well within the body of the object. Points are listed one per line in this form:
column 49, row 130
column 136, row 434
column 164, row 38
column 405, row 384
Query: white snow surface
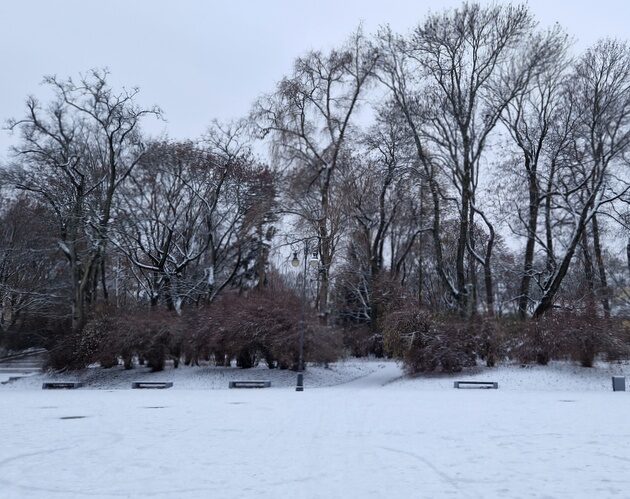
column 203, row 377
column 361, row 429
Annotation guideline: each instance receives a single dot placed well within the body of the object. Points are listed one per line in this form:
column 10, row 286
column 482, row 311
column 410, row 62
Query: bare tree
column 478, row 59
column 384, row 208
column 309, row 118
column 529, row 119
column 161, row 224
column 186, row 215
column 29, row 264
column 452, row 79
column 593, row 171
column 74, row 154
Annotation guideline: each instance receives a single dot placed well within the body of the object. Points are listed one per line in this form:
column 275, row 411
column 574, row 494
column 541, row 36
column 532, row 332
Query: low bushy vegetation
column 263, row 326
column 260, row 326
column 570, row 336
column 425, row 342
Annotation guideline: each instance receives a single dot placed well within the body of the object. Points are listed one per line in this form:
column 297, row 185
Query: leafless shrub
column 360, row 341
column 264, row 326
column 490, row 339
column 570, row 336
column 111, row 337
column 425, row 343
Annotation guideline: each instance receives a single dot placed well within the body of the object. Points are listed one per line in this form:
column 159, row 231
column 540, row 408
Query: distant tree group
column 460, row 192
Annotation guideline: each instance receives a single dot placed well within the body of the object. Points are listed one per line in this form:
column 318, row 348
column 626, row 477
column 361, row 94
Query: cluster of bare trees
column 491, row 179
column 119, row 218
column 474, row 166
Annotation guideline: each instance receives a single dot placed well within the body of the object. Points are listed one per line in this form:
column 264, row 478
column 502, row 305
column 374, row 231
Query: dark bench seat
column 477, row 384
column 160, row 385
column 250, row 384
column 61, row 385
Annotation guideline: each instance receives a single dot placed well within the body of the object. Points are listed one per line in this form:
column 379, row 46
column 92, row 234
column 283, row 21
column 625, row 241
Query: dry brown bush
column 566, row 335
column 360, row 340
column 264, row 326
column 426, row 343
column 261, row 326
column 111, row 337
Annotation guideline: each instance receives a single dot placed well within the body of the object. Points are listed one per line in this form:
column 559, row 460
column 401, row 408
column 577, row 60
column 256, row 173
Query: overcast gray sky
column 201, row 60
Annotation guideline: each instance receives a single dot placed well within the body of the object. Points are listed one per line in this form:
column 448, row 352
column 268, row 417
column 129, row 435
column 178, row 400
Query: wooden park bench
column 250, row 384
column 477, row 384
column 61, row 385
column 160, row 385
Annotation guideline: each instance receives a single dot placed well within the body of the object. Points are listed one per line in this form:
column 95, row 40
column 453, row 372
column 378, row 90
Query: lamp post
column 296, row 263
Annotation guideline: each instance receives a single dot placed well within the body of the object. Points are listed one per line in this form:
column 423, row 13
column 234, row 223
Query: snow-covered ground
column 359, row 430
column 204, row 377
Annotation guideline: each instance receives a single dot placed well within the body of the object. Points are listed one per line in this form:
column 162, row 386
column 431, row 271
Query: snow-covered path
column 373, row 437
column 382, row 374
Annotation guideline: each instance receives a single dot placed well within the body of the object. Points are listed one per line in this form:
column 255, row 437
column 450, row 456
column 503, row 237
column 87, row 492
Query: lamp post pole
column 302, row 326
column 300, row 376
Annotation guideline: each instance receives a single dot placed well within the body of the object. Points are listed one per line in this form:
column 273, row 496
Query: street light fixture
column 313, row 261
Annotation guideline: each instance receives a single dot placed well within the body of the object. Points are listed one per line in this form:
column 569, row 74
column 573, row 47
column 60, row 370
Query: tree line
column 474, row 168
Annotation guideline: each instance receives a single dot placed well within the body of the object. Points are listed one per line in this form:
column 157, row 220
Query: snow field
column 377, row 436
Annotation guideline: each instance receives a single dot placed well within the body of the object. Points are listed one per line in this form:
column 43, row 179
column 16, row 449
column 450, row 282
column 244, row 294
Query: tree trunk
column 78, row 302
column 487, row 274
column 555, row 280
column 601, row 268
column 532, row 226
column 325, row 251
column 487, row 269
column 420, row 275
column 421, row 253
column 551, row 260
column 261, row 259
column 104, row 281
column 460, row 257
column 589, row 273
column 473, row 296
